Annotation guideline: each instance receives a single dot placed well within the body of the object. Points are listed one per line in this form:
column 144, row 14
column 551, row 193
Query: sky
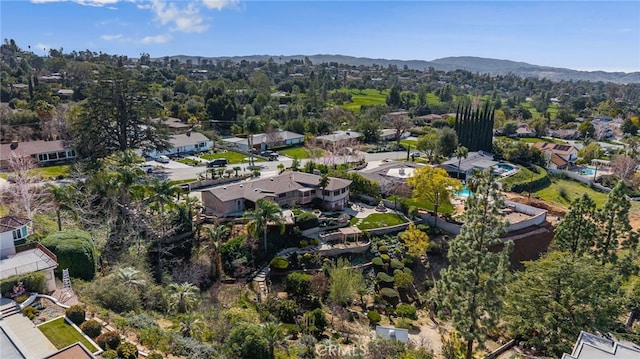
column 580, row 35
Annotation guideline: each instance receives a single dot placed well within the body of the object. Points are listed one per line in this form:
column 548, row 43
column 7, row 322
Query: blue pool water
column 506, row 167
column 464, row 192
column 587, row 171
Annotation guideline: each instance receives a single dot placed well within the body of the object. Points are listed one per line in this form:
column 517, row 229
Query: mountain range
column 474, row 64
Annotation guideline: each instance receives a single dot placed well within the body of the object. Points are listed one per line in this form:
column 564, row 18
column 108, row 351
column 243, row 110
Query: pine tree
column 472, row 285
column 613, row 226
column 577, row 231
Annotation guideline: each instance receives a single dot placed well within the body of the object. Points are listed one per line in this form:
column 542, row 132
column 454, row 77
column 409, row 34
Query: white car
column 162, row 159
column 147, row 168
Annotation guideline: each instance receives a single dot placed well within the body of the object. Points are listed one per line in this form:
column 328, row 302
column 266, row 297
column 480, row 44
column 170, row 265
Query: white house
column 26, row 258
column 43, row 152
column 190, row 142
column 559, row 156
column 591, row 346
column 263, row 141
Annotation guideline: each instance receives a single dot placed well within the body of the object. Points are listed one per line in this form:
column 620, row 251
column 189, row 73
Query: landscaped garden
column 62, row 334
column 378, row 220
column 300, row 152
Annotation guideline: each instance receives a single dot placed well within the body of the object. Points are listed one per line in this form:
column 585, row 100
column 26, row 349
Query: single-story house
column 523, row 130
column 475, row 161
column 65, row 93
column 389, row 134
column 175, row 124
column 339, row 138
column 23, row 259
column 190, row 142
column 398, row 334
column 285, row 189
column 392, row 176
column 565, row 134
column 263, row 141
column 591, row 346
column 560, row 156
column 42, row 151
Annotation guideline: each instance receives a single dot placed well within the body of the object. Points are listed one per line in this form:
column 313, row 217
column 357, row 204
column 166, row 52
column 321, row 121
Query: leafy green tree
column 472, row 285
column 577, row 232
column 345, row 283
column 434, row 185
column 394, row 99
column 614, row 229
column 447, row 141
column 428, row 144
column 258, row 219
column 415, row 241
column 587, row 129
column 117, row 115
column 75, row 250
column 590, row 152
column 246, row 341
column 183, row 297
column 559, row 295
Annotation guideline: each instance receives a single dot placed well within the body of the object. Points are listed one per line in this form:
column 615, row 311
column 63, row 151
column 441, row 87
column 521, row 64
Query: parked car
column 147, row 168
column 163, row 159
column 218, row 162
column 416, row 154
column 270, row 155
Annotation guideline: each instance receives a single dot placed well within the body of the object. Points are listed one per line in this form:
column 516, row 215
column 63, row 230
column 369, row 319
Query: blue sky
column 582, row 35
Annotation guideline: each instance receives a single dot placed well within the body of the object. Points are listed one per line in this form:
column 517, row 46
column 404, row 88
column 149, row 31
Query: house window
column 62, row 154
column 326, row 193
column 71, row 153
column 335, row 193
column 313, row 191
column 53, row 155
column 282, row 195
column 343, row 190
column 42, row 157
column 17, row 234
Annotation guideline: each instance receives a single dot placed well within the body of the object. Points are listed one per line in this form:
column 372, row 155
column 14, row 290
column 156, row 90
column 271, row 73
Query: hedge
column 374, row 317
column 306, row 220
column 108, row 340
column 75, row 250
column 279, row 263
column 523, row 181
column 32, row 282
column 76, row 314
column 384, row 277
column 91, row 328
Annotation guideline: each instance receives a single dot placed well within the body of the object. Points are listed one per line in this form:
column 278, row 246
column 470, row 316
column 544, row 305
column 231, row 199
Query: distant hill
column 469, row 63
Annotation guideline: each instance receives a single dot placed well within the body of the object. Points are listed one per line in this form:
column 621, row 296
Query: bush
column 297, row 284
column 406, row 311
column 32, row 282
column 404, row 324
column 383, row 249
column 21, row 298
column 76, row 314
column 390, row 295
column 279, row 263
column 408, row 262
column 75, row 250
column 155, row 355
column 377, row 261
column 374, row 317
column 384, row 278
column 127, row 350
column 108, row 340
column 115, row 296
column 306, row 220
column 385, row 258
column 91, row 328
column 30, row 312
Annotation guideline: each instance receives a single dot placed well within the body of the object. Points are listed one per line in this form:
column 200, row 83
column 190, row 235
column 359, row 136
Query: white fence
column 588, row 180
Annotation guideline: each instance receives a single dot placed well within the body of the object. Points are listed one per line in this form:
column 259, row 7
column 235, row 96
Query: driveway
column 171, row 165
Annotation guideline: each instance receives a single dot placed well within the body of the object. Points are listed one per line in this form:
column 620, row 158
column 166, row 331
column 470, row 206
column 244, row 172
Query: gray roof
column 172, row 122
column 32, row 260
column 377, row 173
column 30, row 148
column 188, row 140
column 9, row 223
column 272, row 186
column 478, row 159
column 591, row 346
column 340, row 136
column 284, row 135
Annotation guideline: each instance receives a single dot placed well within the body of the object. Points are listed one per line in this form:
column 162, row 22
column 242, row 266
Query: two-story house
column 16, row 259
column 559, row 156
column 285, row 189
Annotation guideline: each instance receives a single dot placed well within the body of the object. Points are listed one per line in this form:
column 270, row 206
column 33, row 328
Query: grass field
column 444, row 208
column 379, row 220
column 299, row 152
column 406, row 143
column 563, row 191
column 61, row 334
column 232, row 157
column 52, row 171
column 365, row 97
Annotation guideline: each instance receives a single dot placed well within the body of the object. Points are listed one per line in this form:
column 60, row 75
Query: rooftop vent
column 225, row 187
column 241, row 186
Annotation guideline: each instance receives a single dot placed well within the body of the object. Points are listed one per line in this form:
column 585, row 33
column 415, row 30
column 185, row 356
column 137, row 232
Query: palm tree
column 62, row 199
column 323, row 183
column 266, row 211
column 237, row 168
column 217, row 235
column 190, row 326
column 183, row 297
column 460, row 153
column 274, row 335
column 130, row 277
column 251, row 126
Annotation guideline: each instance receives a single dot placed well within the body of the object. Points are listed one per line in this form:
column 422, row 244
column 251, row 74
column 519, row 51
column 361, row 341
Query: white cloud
column 219, row 4
column 41, row 46
column 185, row 19
column 158, row 39
column 97, row 3
column 111, row 37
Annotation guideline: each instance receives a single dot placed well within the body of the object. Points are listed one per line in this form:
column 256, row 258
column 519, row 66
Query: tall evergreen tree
column 472, row 285
column 577, row 232
column 614, row 229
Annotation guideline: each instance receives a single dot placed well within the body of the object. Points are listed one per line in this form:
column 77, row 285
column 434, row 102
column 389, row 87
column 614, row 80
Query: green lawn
column 300, row 152
column 4, row 175
column 232, row 157
column 190, row 162
column 573, row 189
column 379, row 220
column 179, row 182
column 406, row 143
column 61, row 334
column 52, row 171
column 365, row 97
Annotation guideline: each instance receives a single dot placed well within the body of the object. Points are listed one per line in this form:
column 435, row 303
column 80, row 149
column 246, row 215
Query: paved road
column 178, row 171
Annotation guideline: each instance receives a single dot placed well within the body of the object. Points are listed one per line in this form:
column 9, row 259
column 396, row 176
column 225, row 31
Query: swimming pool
column 506, row 167
column 587, row 171
column 464, row 192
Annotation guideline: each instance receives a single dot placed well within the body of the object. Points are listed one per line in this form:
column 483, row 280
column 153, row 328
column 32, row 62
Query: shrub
column 75, row 250
column 374, row 317
column 76, row 314
column 384, row 278
column 306, row 220
column 30, row 312
column 32, row 282
column 408, row 262
column 108, row 340
column 91, row 328
column 377, row 261
column 115, row 296
column 279, row 263
column 385, row 258
column 21, row 298
column 390, row 295
column 396, row 264
column 563, row 192
column 127, row 350
column 303, row 243
column 155, row 355
column 406, row 311
column 404, row 323
column 383, row 249
column 110, row 354
column 297, row 284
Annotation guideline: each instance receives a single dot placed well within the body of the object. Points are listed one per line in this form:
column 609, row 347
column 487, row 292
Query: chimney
column 14, row 145
column 189, row 133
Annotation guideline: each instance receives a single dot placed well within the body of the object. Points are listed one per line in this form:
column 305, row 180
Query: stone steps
column 9, row 310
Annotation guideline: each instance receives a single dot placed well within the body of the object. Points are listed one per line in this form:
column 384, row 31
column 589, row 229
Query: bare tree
column 28, row 194
column 624, row 167
column 272, row 137
column 401, row 124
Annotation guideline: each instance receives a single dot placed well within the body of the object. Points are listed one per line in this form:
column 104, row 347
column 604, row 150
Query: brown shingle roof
column 560, row 149
column 272, row 186
column 558, row 161
column 30, row 148
column 9, row 223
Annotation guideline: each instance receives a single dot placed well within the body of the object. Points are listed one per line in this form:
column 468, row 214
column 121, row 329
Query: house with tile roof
column 591, row 346
column 17, row 259
column 559, row 156
column 285, row 189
